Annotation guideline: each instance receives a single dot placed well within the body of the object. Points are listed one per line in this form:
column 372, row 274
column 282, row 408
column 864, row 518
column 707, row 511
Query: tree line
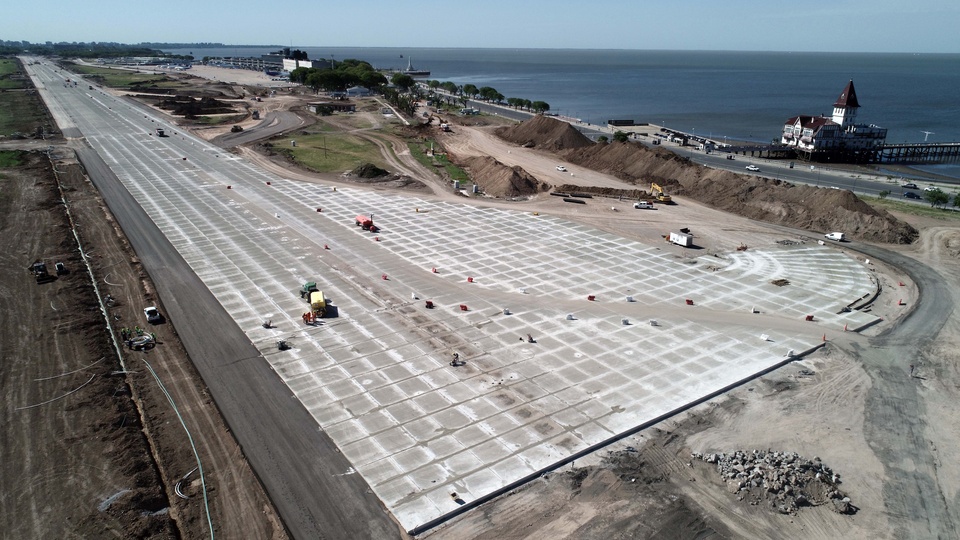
column 489, row 94
column 77, row 49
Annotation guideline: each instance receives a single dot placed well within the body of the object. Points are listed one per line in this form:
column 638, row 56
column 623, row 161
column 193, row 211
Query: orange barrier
column 689, row 302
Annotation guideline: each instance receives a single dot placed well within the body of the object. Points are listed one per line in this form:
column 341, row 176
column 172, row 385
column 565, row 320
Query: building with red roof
column 838, row 138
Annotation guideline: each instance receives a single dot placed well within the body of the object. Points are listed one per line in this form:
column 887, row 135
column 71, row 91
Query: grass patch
column 23, row 113
column 118, row 78
column 419, row 151
column 10, row 158
column 924, row 210
column 330, row 153
column 9, row 67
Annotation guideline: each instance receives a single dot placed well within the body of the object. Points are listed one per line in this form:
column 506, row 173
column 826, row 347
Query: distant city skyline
column 920, row 26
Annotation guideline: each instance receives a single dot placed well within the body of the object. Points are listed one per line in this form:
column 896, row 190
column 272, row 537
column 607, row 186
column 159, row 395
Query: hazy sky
column 755, row 25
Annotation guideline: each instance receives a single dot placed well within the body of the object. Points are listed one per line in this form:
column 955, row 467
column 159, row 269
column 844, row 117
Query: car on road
column 152, row 314
column 909, row 185
column 838, row 236
column 561, row 168
column 753, row 168
column 730, row 156
column 911, row 195
column 931, row 188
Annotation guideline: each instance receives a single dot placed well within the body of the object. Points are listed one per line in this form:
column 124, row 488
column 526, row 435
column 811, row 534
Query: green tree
column 470, row 90
column 956, row 200
column 936, row 198
column 621, row 136
column 602, row 139
column 450, row 87
column 487, row 93
column 403, row 81
column 540, row 106
column 373, row 79
column 883, row 194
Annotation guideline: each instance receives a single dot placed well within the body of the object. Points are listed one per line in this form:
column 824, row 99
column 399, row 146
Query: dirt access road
column 89, row 463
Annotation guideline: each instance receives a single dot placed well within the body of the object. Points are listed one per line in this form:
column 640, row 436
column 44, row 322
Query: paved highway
column 298, row 464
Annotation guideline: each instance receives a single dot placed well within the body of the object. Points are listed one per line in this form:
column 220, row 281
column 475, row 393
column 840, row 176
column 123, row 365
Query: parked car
column 753, row 168
column 730, row 156
column 931, row 188
column 561, row 168
column 152, row 314
column 911, row 195
column 909, row 185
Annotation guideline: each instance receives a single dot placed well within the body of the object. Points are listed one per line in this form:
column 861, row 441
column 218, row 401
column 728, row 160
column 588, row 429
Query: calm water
column 740, row 95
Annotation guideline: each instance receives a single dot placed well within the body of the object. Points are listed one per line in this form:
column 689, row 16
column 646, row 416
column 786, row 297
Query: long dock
column 919, row 152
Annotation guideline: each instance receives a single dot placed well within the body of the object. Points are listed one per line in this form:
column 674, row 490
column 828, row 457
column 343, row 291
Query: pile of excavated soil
column 544, row 133
column 499, row 180
column 774, row 201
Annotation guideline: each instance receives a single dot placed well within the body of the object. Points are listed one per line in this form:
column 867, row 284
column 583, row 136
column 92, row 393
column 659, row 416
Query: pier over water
column 918, row 152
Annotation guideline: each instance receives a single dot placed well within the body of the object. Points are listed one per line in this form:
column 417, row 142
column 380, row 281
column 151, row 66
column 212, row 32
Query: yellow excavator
column 659, row 194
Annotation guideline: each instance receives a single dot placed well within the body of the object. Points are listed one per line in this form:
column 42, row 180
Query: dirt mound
column 774, row 201
column 369, row 170
column 499, row 180
column 387, row 180
column 545, row 133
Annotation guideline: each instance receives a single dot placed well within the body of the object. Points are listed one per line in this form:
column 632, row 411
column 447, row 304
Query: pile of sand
column 779, row 202
column 499, row 180
column 544, row 133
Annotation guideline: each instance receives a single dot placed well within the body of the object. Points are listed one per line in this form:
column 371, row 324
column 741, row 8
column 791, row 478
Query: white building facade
column 838, row 138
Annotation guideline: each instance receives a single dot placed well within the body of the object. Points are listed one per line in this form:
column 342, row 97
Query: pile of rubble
column 784, row 479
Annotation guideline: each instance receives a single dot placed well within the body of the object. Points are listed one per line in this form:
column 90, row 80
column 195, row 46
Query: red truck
column 366, row 223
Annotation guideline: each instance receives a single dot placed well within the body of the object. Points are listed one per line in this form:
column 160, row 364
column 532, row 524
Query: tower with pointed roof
column 838, row 137
column 846, row 107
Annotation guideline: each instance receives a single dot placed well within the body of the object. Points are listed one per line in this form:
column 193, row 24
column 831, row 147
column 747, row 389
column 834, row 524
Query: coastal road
column 273, row 123
column 298, row 464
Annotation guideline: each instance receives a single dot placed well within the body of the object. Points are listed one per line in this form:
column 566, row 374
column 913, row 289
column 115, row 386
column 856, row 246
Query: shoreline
column 257, row 78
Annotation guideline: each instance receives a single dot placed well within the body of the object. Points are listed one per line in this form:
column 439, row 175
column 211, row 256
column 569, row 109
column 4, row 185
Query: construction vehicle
column 659, row 194
column 318, row 304
column 307, row 288
column 366, row 223
column 39, row 271
column 161, row 133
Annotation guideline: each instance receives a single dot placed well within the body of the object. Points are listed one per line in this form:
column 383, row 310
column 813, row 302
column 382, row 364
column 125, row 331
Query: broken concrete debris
column 785, row 480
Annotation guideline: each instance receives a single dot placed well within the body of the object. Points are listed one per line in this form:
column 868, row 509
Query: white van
column 838, row 236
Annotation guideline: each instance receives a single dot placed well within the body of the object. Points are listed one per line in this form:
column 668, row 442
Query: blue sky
column 751, row 25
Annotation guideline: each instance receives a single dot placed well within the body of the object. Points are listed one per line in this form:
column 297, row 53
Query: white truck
column 838, row 236
column 681, row 239
column 642, row 205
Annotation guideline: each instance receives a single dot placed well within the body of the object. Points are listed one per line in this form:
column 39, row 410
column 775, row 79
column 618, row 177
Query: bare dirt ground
column 646, row 486
column 105, row 460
